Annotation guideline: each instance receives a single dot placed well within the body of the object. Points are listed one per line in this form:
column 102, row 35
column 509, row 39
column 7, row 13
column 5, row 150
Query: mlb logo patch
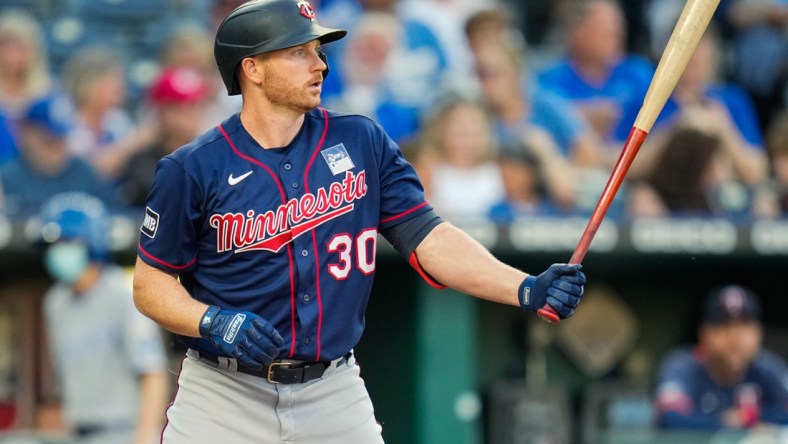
column 151, row 223
column 338, row 159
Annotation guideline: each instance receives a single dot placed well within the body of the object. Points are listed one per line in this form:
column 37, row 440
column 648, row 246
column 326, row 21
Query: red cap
column 178, row 85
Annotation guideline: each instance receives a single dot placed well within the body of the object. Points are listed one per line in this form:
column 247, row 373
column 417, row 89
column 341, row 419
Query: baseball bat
column 694, row 20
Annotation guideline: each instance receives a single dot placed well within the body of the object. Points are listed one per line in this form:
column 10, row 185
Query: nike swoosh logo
column 236, row 180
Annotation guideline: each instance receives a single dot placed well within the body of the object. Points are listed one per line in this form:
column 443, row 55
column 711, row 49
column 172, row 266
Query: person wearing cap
column 176, row 98
column 45, row 166
column 109, row 360
column 728, row 380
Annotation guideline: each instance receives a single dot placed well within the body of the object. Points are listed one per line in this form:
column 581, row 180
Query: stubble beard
column 283, row 94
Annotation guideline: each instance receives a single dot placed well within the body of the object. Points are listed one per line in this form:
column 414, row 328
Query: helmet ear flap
column 323, row 57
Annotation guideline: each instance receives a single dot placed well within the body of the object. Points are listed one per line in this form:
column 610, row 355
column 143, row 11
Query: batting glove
column 560, row 286
column 250, row 339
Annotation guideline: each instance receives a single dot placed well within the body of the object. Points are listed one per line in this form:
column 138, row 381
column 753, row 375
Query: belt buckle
column 273, row 365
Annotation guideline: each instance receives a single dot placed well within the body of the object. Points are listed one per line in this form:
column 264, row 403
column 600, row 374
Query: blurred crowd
column 505, row 108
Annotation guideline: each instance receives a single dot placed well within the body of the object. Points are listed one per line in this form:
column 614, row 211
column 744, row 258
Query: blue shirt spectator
column 8, row 150
column 389, row 69
column 623, row 90
column 720, row 109
column 736, row 102
column 558, row 117
column 377, row 75
column 518, row 107
column 596, row 74
column 45, row 167
column 760, row 52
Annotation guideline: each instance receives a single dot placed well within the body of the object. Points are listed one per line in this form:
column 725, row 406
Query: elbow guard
column 405, row 237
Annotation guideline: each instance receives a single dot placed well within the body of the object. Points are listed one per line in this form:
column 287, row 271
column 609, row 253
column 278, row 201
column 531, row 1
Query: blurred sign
column 699, row 236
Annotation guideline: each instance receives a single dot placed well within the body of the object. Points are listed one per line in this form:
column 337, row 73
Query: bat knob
column 548, row 314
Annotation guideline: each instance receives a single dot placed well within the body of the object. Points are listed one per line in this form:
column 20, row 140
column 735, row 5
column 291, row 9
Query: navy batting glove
column 560, row 286
column 250, row 339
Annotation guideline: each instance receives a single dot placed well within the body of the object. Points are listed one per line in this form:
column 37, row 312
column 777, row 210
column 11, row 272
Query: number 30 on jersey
column 358, row 251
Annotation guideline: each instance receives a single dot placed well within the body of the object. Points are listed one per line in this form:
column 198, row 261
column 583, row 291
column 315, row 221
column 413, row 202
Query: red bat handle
column 628, row 153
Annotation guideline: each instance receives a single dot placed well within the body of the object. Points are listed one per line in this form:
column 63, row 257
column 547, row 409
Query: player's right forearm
column 159, row 296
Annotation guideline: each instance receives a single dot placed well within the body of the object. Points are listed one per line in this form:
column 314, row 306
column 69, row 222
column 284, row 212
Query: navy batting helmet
column 265, row 25
column 76, row 216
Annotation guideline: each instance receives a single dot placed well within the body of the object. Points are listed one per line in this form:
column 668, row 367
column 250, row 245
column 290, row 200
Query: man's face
column 602, row 34
column 181, row 122
column 732, row 346
column 47, row 152
column 499, row 78
column 293, row 77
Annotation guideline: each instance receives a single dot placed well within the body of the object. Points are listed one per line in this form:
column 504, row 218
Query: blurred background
column 513, row 113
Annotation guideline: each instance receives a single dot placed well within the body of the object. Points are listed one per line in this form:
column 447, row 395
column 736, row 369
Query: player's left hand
column 560, row 286
column 249, row 338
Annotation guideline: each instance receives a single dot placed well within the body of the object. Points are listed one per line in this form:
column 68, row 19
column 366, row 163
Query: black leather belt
column 285, row 372
column 86, row 430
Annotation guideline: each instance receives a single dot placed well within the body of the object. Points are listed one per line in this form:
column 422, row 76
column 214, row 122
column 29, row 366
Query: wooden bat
column 694, row 20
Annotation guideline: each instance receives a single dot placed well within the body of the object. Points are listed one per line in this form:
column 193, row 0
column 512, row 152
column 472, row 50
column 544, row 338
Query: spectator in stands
column 721, row 109
column 366, row 61
column 105, row 134
column 45, row 166
column 415, row 68
column 688, row 179
column 455, row 161
column 520, row 108
column 774, row 192
column 760, row 48
column 8, row 150
column 446, row 18
column 603, row 81
column 177, row 101
column 24, row 73
column 107, row 356
column 728, row 380
column 525, row 191
column 490, row 27
column 192, row 47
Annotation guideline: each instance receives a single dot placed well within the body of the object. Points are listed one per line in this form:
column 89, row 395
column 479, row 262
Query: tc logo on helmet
column 306, row 10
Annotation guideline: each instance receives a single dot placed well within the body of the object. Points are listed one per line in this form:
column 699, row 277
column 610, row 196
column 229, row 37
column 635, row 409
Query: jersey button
column 306, row 341
column 304, row 253
column 295, row 185
column 307, row 298
column 288, row 167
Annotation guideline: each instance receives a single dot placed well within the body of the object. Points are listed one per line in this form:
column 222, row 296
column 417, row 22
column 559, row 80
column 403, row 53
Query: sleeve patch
column 151, row 223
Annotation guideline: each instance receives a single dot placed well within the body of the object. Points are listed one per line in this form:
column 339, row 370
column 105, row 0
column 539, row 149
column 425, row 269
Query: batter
column 259, row 239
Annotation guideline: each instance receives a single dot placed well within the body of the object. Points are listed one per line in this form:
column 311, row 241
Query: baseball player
column 258, row 246
column 109, row 359
column 728, row 379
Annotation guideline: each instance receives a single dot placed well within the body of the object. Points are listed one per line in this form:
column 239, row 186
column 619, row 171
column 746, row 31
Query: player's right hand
column 561, row 286
column 247, row 337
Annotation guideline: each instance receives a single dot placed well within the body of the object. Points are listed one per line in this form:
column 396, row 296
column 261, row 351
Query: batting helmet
column 265, row 25
column 76, row 216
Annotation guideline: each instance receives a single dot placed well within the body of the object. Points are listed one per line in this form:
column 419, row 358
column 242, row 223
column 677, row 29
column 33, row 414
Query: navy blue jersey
column 687, row 396
column 287, row 233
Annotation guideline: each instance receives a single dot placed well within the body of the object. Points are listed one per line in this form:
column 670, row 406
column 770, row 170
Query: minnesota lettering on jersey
column 272, row 230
